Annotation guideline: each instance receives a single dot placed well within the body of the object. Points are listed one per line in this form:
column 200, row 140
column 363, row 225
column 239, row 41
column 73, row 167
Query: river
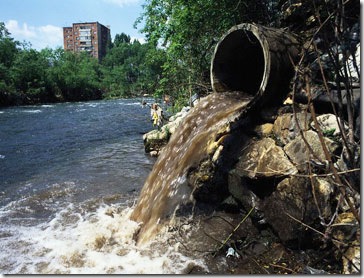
column 70, row 175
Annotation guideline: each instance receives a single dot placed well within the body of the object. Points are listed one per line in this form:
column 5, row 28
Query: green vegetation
column 28, row 76
column 175, row 61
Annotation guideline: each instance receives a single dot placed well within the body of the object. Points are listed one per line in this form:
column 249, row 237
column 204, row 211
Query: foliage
column 188, row 31
column 131, row 68
column 48, row 76
column 175, row 61
column 28, row 76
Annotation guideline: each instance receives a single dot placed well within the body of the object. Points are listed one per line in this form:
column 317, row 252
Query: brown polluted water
column 196, row 139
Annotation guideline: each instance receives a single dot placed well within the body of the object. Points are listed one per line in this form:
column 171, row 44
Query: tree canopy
column 181, row 36
column 28, row 76
column 188, row 31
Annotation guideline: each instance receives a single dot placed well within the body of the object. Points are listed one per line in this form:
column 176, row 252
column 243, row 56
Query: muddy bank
column 257, row 250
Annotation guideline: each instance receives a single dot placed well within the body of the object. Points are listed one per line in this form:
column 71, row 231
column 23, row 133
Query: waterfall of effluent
column 166, row 186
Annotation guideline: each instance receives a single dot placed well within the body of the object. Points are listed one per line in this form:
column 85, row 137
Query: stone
column 264, row 130
column 154, row 153
column 156, row 139
column 329, row 124
column 351, row 259
column 293, row 197
column 239, row 190
column 217, row 154
column 299, row 153
column 230, row 204
column 287, row 202
column 285, row 128
column 324, row 192
column 347, row 229
column 264, row 158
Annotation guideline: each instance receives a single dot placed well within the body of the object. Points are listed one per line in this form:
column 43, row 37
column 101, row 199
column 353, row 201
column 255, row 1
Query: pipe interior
column 239, row 62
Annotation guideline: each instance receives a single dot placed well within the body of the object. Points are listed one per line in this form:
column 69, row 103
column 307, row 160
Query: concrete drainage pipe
column 256, row 60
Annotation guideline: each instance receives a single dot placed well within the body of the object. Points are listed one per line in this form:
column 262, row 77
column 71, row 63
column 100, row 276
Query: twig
column 313, row 229
column 259, row 265
column 285, row 268
column 237, row 227
column 218, row 216
column 327, row 154
column 281, row 174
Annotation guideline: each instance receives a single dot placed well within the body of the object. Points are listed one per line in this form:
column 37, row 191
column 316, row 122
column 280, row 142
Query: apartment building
column 91, row 37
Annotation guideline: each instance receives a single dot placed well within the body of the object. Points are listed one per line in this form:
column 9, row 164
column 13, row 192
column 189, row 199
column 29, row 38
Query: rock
column 217, row 154
column 351, row 259
column 324, row 191
column 293, row 197
column 299, row 153
column 347, row 229
column 156, row 139
column 329, row 125
column 180, row 114
column 285, row 128
column 154, row 153
column 264, row 158
column 230, row 205
column 239, row 190
column 290, row 198
column 264, row 130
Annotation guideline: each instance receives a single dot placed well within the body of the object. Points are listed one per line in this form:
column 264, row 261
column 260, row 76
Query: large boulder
column 264, row 158
column 285, row 127
column 299, row 152
column 292, row 204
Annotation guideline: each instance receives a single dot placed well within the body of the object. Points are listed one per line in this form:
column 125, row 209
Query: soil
column 258, row 249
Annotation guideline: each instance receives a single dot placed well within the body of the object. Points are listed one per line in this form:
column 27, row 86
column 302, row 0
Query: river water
column 70, row 175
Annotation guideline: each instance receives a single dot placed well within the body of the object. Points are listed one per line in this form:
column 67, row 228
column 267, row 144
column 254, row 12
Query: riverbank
column 271, row 174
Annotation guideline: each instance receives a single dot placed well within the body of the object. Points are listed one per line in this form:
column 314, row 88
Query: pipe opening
column 239, row 63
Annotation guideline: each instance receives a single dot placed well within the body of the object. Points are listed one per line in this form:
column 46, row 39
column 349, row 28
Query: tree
column 131, row 68
column 76, row 76
column 121, row 38
column 188, row 31
column 28, row 76
column 8, row 51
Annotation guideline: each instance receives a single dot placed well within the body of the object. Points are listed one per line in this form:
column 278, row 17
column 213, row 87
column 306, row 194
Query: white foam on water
column 93, row 104
column 32, row 111
column 98, row 242
column 131, row 104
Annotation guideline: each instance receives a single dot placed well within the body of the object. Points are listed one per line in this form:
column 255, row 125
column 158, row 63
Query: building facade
column 91, row 37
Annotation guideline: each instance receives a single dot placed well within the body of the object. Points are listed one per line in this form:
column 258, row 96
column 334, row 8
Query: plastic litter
column 232, row 253
column 311, row 270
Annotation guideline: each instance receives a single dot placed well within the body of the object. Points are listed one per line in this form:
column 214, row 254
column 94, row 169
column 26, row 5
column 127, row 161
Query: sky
column 40, row 22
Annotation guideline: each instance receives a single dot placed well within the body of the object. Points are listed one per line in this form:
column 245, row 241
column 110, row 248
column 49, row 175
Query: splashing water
column 67, row 183
column 167, row 187
column 98, row 242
